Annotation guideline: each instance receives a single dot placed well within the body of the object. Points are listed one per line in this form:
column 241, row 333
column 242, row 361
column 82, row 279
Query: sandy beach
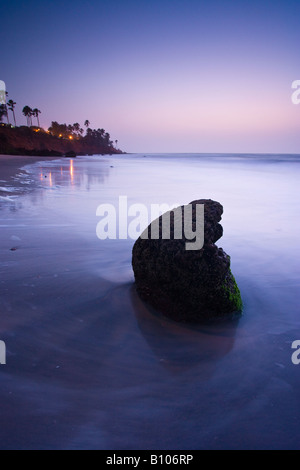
column 111, row 114
column 89, row 365
column 10, row 166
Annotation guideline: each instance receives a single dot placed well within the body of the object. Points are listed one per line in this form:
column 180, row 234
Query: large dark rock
column 187, row 285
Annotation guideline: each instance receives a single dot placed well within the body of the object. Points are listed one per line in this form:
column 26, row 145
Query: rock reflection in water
column 180, row 346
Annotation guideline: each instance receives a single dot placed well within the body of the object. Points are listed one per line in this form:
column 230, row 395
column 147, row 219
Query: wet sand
column 10, row 166
column 90, row 366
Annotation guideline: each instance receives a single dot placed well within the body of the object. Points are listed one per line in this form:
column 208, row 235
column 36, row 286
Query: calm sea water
column 90, row 366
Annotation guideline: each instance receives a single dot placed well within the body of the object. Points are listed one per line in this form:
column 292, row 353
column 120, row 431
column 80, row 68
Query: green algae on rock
column 187, row 286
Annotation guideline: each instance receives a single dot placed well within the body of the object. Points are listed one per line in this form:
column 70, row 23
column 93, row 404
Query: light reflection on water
column 102, row 370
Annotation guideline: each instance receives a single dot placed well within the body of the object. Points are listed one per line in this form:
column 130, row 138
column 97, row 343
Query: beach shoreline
column 10, row 166
column 89, row 365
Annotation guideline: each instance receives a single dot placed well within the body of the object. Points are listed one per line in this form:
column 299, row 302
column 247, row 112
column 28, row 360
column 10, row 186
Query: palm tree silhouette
column 87, row 123
column 11, row 106
column 27, row 111
column 36, row 113
column 76, row 128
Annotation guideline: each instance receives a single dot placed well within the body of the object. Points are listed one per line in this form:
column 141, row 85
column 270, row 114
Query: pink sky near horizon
column 173, row 76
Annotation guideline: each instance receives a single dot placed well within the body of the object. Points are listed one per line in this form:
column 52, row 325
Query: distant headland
column 57, row 140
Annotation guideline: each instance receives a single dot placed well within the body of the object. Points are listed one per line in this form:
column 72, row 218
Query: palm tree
column 27, row 111
column 87, row 123
column 36, row 113
column 71, row 129
column 11, row 106
column 76, row 127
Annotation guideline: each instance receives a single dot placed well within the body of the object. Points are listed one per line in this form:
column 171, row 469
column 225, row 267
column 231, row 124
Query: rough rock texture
column 187, row 285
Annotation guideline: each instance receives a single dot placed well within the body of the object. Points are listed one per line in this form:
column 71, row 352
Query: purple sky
column 160, row 76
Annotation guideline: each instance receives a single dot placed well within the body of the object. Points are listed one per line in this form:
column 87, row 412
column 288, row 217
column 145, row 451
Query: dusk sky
column 160, row 76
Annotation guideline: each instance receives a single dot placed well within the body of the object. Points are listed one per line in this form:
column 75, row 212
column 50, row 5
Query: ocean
column 89, row 365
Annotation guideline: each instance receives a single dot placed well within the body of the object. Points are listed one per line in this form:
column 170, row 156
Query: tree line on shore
column 62, row 131
column 75, row 131
column 28, row 112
